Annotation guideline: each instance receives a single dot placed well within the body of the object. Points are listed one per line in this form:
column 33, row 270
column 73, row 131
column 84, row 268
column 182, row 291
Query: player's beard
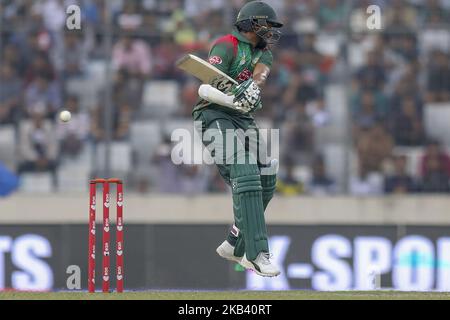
column 262, row 44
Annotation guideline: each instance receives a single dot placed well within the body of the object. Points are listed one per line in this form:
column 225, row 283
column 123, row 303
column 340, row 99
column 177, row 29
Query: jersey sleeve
column 221, row 56
column 267, row 58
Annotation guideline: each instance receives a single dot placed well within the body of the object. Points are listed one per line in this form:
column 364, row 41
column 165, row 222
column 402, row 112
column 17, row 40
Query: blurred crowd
column 391, row 76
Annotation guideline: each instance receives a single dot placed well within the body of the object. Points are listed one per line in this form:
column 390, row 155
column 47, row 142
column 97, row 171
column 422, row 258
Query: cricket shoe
column 226, row 251
column 261, row 265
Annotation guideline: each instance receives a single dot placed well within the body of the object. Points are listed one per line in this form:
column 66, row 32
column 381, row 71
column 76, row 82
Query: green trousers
column 234, row 143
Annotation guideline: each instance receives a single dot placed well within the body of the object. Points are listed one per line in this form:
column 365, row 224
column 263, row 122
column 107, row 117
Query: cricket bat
column 216, row 83
column 204, row 71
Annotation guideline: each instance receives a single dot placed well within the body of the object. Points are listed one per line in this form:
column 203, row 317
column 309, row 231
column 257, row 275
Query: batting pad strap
column 246, row 184
column 269, row 183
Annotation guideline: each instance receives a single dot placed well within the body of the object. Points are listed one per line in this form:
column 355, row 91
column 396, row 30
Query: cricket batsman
column 245, row 56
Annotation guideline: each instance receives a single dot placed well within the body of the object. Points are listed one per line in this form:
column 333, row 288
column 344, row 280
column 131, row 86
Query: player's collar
column 240, row 36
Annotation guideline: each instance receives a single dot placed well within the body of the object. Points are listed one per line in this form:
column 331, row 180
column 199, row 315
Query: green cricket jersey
column 234, row 55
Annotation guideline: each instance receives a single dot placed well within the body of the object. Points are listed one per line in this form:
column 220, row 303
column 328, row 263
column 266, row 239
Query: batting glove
column 247, row 96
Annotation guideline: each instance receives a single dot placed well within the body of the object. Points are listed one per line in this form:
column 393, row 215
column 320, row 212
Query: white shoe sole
column 249, row 266
column 225, row 255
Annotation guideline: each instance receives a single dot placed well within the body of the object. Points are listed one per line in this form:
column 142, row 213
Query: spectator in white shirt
column 38, row 146
column 133, row 56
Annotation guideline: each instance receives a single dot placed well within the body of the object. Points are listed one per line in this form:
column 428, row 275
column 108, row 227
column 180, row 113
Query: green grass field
column 229, row 295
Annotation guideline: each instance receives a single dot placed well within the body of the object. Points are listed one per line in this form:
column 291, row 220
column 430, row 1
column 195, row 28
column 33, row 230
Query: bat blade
column 203, row 70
